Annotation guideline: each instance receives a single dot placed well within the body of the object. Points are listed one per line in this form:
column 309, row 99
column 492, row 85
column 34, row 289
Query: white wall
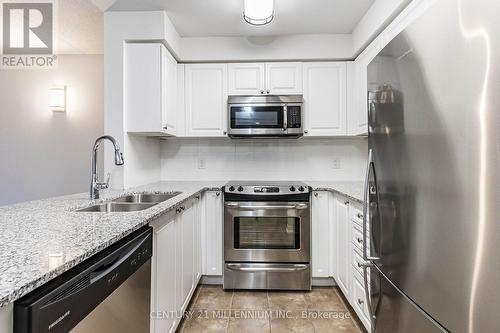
column 225, row 159
column 45, row 154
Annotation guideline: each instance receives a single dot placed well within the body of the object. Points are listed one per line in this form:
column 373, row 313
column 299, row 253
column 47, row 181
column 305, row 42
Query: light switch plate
column 336, row 163
column 202, row 163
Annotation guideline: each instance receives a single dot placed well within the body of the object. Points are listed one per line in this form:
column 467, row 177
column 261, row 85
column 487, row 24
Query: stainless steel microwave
column 265, row 116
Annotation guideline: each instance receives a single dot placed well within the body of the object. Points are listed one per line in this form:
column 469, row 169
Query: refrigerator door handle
column 366, row 255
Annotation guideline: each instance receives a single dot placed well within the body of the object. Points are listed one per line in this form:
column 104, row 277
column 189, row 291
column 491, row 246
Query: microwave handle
column 285, row 118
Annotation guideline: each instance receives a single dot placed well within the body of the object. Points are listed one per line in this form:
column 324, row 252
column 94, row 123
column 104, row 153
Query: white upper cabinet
column 284, row 78
column 246, row 79
column 206, row 99
column 325, row 98
column 150, row 89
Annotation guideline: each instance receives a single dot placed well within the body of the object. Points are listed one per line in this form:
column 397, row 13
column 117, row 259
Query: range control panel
column 271, row 189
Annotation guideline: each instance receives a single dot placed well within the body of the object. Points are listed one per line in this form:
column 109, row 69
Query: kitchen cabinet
column 343, row 245
column 212, row 233
column 246, row 79
column 206, row 99
column 325, row 98
column 320, row 259
column 274, row 78
column 284, row 78
column 176, row 264
column 150, row 89
column 164, row 276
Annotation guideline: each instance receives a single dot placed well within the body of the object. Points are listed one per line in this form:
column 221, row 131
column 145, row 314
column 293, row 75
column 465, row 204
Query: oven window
column 267, row 233
column 256, row 117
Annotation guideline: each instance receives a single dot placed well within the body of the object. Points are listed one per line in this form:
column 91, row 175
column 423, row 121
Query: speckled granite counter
column 40, row 240
column 352, row 190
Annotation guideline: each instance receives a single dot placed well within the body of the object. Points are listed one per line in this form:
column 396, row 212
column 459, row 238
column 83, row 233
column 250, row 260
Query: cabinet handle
column 268, row 91
column 359, row 215
column 262, row 91
column 360, row 240
column 306, row 131
column 316, row 194
column 360, row 265
column 217, row 194
column 360, row 301
column 197, row 197
column 346, row 202
column 225, row 133
column 178, row 210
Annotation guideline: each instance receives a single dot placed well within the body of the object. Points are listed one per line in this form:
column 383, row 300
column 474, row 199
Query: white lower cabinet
column 212, row 234
column 320, row 234
column 337, row 247
column 343, row 245
column 176, row 265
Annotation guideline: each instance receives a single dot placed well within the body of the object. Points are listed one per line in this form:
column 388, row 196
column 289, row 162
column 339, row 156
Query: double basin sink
column 130, row 203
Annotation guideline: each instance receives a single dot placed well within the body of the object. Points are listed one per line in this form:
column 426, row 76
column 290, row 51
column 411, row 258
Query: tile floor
column 319, row 311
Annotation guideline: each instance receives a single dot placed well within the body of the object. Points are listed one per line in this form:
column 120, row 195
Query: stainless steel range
column 267, row 236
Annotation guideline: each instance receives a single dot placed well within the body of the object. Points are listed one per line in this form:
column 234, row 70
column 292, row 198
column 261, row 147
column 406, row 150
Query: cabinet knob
column 360, row 240
column 268, row 91
column 217, row 194
column 359, row 215
column 346, row 202
column 306, row 131
column 262, row 91
column 316, row 194
column 360, row 301
column 178, row 210
column 225, row 133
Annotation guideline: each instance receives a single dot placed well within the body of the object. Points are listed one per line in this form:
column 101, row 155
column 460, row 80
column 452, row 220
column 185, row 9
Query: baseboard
column 323, row 282
column 211, row 279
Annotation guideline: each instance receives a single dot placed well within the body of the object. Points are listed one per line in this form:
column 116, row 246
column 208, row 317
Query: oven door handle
column 267, row 268
column 248, row 207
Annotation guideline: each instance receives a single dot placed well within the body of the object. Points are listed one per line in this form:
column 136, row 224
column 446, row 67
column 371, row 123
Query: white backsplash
column 330, row 159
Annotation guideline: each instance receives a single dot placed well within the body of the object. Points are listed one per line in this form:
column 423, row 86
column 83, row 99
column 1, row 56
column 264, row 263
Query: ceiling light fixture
column 258, row 12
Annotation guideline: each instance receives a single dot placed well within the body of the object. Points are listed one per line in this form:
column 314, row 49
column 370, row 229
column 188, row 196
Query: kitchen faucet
column 95, row 185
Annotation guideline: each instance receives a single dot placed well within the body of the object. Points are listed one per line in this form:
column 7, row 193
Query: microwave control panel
column 294, row 116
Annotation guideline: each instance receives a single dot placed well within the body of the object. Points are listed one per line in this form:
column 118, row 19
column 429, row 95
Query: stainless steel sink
column 147, row 197
column 111, row 207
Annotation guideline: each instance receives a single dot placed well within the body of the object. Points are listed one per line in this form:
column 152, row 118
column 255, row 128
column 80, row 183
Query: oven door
column 267, row 232
column 257, row 119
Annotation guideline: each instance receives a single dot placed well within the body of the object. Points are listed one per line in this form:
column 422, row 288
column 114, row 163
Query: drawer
column 356, row 214
column 357, row 260
column 359, row 303
column 357, row 237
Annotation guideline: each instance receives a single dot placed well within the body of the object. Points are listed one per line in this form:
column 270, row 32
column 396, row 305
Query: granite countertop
column 353, row 190
column 39, row 240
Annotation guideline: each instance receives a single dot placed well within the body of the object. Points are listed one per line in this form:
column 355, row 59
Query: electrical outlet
column 202, row 163
column 336, row 163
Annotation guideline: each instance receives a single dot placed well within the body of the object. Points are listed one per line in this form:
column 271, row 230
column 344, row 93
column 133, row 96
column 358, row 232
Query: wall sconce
column 58, row 98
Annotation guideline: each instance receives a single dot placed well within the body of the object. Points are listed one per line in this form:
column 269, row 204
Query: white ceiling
column 203, row 18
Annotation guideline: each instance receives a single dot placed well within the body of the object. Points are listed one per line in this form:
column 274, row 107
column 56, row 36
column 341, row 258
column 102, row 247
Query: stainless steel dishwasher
column 110, row 292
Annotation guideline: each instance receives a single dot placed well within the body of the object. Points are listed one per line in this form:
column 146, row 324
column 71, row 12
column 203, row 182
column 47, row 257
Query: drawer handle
column 360, row 301
column 315, row 194
column 360, row 240
column 360, row 265
column 359, row 215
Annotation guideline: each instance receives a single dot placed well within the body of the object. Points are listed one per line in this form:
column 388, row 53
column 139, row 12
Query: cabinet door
column 320, row 234
column 150, row 89
column 343, row 245
column 246, row 79
column 325, row 98
column 164, row 278
column 187, row 237
column 206, row 99
column 169, row 91
column 143, row 87
column 197, row 241
column 284, row 78
column 213, row 233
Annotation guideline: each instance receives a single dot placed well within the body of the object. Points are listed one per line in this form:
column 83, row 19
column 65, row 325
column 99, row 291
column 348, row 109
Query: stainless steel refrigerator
column 433, row 181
